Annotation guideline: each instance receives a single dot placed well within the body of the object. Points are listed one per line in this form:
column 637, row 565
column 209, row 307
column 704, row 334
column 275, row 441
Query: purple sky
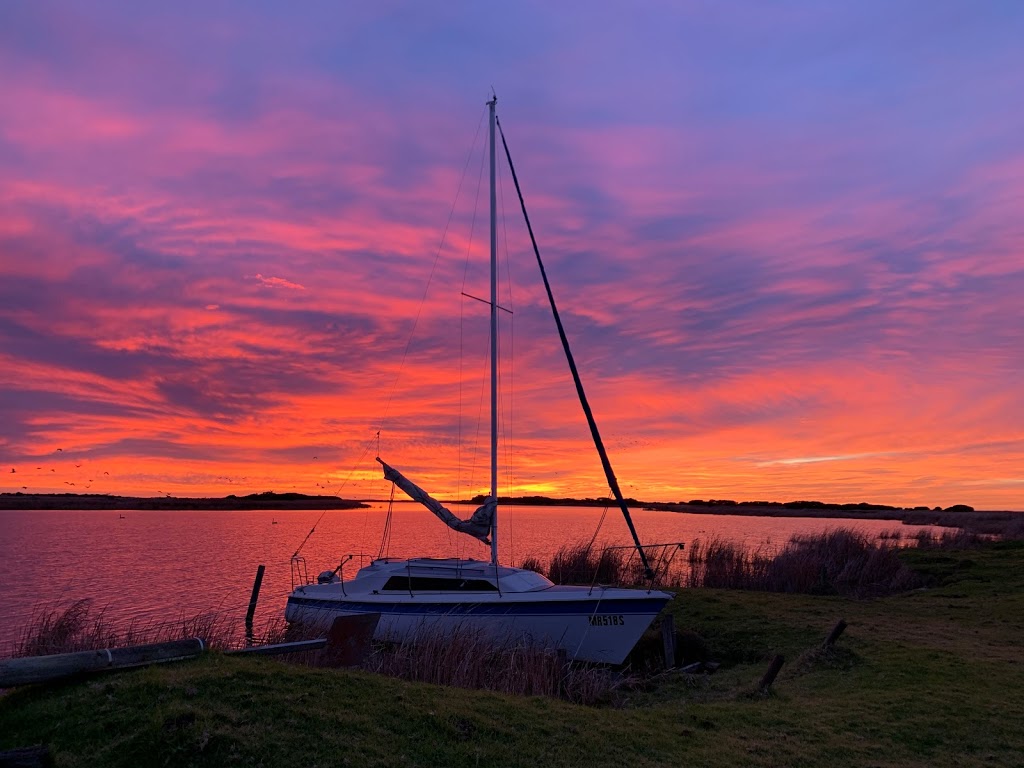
column 788, row 240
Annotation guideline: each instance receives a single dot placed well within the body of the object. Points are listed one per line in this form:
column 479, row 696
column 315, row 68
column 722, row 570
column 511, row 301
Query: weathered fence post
column 837, row 630
column 668, row 640
column 773, row 670
column 252, row 604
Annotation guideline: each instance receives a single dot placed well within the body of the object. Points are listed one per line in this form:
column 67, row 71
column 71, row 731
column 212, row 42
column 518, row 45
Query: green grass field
column 929, row 678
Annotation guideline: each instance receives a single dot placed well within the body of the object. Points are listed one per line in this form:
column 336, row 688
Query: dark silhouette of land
column 956, row 516
column 267, row 500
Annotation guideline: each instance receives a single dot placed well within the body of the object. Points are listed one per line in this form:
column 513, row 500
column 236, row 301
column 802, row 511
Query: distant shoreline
column 90, row 501
column 958, row 516
column 984, row 522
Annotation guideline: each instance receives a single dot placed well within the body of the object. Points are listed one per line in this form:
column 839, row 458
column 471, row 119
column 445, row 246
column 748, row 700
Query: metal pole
column 494, row 341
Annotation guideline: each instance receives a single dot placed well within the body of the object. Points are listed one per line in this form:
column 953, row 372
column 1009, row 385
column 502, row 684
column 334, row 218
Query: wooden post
column 773, row 670
column 668, row 640
column 837, row 630
column 42, row 669
column 252, row 604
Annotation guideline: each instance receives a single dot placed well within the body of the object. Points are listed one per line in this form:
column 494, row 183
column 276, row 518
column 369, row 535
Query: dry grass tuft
column 80, row 626
column 468, row 658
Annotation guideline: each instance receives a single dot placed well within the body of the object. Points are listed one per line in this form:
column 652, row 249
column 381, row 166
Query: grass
column 931, row 677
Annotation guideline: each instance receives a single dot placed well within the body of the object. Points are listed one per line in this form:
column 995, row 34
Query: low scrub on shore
column 841, row 561
column 838, row 562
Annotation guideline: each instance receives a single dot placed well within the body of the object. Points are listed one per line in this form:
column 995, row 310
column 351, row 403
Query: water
column 164, row 565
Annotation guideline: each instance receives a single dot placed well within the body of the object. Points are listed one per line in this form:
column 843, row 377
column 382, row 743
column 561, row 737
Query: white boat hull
column 599, row 624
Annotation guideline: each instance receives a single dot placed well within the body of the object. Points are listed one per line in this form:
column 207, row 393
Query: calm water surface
column 156, row 565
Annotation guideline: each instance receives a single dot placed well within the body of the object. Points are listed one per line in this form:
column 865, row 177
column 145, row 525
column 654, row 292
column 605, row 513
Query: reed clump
column 619, row 565
column 582, row 564
column 950, row 538
column 839, row 562
column 531, row 563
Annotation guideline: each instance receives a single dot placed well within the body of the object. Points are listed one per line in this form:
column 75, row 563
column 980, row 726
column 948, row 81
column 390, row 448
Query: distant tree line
column 604, row 501
column 861, row 505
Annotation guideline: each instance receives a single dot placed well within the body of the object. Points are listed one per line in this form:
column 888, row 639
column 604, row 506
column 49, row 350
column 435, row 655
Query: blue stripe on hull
column 646, row 606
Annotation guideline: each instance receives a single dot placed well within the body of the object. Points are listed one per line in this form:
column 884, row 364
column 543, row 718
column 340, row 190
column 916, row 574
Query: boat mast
column 494, row 340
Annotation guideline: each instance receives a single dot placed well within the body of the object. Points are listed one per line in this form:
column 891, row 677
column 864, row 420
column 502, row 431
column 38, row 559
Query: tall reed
column 841, row 561
column 583, row 564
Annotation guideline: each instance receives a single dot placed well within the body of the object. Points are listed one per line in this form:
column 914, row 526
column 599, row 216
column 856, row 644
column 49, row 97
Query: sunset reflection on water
column 155, row 566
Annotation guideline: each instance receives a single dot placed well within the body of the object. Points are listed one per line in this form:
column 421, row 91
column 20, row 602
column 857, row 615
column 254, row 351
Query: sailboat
column 591, row 623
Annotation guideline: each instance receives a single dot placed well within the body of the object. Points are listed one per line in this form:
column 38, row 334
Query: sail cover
column 477, row 526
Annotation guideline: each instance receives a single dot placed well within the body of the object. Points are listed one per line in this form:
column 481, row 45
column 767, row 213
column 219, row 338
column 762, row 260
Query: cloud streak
column 786, row 245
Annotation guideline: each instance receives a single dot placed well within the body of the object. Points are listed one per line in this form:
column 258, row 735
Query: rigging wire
column 385, row 542
column 600, row 523
column 462, row 318
column 412, row 334
column 336, row 493
column 433, row 269
column 594, row 432
column 507, row 431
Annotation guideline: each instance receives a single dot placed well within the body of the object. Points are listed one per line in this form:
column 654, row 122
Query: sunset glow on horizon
column 787, row 242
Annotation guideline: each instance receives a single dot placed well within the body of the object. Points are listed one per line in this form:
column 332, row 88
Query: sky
column 786, row 238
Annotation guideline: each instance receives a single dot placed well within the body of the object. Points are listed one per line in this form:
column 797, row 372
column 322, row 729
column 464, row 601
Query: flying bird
column 60, row 450
column 12, row 470
column 77, row 465
column 106, row 473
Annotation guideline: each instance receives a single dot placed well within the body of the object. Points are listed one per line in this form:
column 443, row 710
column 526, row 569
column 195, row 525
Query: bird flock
column 74, row 473
column 45, row 481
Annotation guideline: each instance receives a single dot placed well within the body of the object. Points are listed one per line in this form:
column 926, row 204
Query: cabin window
column 437, row 584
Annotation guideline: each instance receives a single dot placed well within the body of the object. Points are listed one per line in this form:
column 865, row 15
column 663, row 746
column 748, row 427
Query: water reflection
column 160, row 565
